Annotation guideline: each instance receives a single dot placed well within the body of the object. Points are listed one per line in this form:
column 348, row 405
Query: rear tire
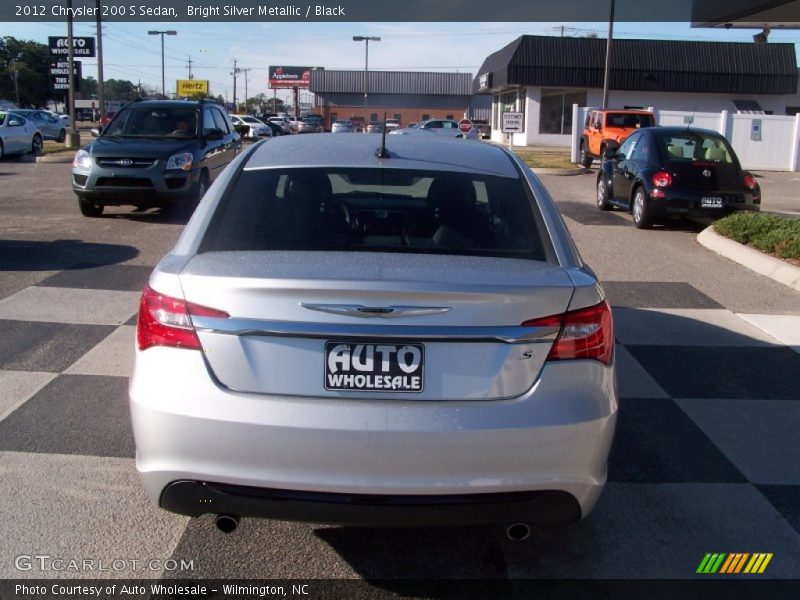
column 585, row 158
column 642, row 218
column 89, row 208
column 602, row 194
column 2, row 151
column 37, row 144
column 62, row 135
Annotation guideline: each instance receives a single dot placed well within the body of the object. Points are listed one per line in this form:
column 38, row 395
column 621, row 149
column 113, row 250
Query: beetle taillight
column 662, row 179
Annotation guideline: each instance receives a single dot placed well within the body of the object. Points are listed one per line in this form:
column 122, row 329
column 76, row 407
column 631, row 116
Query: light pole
column 162, row 34
column 607, row 75
column 367, row 39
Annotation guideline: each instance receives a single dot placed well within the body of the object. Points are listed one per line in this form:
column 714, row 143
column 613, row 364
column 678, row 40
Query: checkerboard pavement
column 706, row 457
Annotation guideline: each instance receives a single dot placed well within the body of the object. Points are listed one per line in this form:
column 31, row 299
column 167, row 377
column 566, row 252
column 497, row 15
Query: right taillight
column 166, row 321
column 585, row 333
column 662, row 179
column 750, row 182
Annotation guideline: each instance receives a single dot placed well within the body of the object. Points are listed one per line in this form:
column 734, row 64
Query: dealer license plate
column 365, row 367
column 711, row 202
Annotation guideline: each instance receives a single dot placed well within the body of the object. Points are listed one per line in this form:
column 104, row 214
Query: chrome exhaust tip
column 227, row 523
column 518, row 532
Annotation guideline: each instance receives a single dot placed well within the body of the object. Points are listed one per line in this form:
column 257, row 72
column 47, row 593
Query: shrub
column 769, row 233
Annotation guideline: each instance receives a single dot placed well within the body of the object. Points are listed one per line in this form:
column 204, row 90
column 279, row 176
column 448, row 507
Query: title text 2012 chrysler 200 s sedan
column 405, row 337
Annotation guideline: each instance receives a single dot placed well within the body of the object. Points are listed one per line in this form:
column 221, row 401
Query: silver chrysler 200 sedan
column 352, row 336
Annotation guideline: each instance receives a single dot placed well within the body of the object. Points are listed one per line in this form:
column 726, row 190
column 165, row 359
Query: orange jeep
column 609, row 124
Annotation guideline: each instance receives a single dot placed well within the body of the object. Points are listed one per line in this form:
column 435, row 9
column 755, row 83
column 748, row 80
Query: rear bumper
column 194, row 498
column 201, row 448
column 687, row 203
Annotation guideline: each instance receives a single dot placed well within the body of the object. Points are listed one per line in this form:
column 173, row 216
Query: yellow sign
column 192, row 87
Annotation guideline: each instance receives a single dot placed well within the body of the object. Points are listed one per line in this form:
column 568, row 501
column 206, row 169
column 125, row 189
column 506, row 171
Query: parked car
column 483, row 127
column 18, row 135
column 664, row 172
column 255, row 128
column 347, row 338
column 309, row 125
column 283, row 122
column 604, row 126
column 342, row 126
column 84, row 114
column 274, row 127
column 107, row 118
column 154, row 153
column 392, row 124
column 64, row 118
column 442, row 127
column 375, row 127
column 52, row 128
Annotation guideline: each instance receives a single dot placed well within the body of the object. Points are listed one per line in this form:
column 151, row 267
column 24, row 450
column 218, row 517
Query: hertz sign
column 192, row 87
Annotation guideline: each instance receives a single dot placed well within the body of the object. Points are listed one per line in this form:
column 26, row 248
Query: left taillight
column 166, row 321
column 585, row 333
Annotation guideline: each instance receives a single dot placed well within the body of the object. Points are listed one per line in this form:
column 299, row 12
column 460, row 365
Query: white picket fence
column 778, row 148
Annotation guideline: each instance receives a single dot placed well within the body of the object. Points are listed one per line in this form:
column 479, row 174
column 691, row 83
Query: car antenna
column 382, row 152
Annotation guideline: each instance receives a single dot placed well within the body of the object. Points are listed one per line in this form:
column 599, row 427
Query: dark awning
column 646, row 65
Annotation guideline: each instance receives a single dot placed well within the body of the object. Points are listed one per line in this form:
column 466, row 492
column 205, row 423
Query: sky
column 130, row 53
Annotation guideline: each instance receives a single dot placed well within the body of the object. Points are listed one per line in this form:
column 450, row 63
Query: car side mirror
column 214, row 135
column 96, row 131
column 611, row 152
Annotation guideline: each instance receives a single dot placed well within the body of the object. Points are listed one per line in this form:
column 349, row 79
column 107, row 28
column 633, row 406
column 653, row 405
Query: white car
column 256, row 129
column 18, row 135
column 65, row 120
column 283, row 122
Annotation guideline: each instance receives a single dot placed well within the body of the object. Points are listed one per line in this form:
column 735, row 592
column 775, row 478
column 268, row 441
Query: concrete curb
column 60, row 157
column 554, row 171
column 757, row 261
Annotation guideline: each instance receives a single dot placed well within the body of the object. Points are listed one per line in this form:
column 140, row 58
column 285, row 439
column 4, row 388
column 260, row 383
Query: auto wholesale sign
column 289, row 77
column 81, row 46
column 191, row 87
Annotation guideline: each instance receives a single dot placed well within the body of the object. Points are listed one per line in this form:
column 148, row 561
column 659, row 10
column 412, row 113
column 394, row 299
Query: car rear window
column 629, row 121
column 377, row 210
column 689, row 146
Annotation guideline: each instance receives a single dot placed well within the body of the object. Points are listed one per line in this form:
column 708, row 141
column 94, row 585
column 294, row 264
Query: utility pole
column 190, row 67
column 607, row 76
column 100, row 85
column 73, row 139
column 245, row 71
column 235, row 72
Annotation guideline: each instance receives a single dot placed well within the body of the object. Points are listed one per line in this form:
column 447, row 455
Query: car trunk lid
column 299, row 318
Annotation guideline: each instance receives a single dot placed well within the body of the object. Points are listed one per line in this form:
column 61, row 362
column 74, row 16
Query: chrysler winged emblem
column 706, row 172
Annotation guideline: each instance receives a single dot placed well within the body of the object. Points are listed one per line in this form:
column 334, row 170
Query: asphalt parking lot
column 706, row 457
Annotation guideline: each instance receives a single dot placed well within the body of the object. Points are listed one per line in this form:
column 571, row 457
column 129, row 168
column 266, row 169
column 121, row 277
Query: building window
column 373, row 116
column 425, row 117
column 334, row 117
column 396, row 117
column 792, row 110
column 555, row 110
column 450, row 117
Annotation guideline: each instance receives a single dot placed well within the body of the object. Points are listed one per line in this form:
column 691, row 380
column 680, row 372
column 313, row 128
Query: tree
column 89, row 87
column 271, row 106
column 25, row 68
column 120, row 89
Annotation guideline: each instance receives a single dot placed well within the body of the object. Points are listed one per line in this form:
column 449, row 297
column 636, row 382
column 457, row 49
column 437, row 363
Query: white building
column 542, row 77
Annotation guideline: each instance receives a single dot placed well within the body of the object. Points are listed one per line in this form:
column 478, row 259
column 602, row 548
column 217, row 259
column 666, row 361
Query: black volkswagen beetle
column 664, row 172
